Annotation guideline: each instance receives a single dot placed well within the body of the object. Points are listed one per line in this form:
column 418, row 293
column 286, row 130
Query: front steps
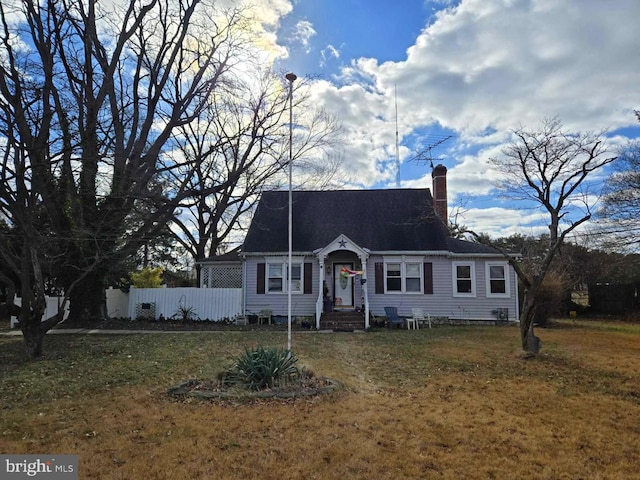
column 342, row 321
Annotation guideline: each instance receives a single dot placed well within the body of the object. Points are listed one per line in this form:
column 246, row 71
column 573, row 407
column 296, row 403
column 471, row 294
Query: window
column 413, row 276
column 464, row 279
column 403, row 277
column 497, row 279
column 394, row 277
column 296, row 277
column 277, row 277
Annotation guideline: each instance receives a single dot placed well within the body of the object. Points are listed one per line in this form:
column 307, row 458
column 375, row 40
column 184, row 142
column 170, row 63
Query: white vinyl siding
column 443, row 302
column 277, row 302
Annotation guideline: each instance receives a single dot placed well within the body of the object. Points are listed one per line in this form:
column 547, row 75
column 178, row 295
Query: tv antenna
column 426, row 154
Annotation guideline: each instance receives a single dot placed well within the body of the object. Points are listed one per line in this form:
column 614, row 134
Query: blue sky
column 470, row 69
column 356, row 28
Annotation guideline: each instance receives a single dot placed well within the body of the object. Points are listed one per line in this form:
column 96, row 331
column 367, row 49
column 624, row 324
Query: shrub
column 185, row 313
column 264, row 368
column 147, row 278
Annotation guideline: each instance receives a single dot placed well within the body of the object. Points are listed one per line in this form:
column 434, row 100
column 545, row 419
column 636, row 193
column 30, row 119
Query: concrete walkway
column 88, row 331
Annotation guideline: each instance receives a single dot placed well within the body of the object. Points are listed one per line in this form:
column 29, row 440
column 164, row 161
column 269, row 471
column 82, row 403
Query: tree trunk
column 33, row 335
column 8, row 310
column 34, row 329
column 88, row 301
column 530, row 342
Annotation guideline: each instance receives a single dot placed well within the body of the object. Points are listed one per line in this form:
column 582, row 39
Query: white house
column 363, row 250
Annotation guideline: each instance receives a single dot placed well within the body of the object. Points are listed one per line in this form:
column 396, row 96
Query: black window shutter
column 379, row 269
column 428, row 277
column 260, row 286
column 308, row 271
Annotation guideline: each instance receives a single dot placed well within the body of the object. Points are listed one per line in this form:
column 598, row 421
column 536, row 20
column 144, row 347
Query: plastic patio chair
column 419, row 316
column 265, row 314
column 392, row 317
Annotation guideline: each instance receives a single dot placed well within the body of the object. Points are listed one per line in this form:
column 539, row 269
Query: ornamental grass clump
column 262, row 368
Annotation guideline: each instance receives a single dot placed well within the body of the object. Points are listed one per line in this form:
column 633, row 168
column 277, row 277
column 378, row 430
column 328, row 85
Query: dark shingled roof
column 232, row 256
column 380, row 220
column 463, row 246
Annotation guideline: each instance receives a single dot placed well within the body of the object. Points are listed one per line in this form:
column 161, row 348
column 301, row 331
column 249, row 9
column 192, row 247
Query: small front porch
column 342, row 321
column 343, row 276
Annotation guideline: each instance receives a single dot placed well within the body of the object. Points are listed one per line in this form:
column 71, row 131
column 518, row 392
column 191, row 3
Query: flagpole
column 291, row 78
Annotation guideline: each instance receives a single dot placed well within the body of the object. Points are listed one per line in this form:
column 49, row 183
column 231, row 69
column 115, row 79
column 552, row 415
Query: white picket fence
column 205, row 303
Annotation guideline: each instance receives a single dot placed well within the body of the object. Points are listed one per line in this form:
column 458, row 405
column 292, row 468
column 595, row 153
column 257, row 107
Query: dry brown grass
column 446, row 403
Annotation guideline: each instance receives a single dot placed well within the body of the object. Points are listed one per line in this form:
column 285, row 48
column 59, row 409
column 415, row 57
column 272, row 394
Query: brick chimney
column 439, row 179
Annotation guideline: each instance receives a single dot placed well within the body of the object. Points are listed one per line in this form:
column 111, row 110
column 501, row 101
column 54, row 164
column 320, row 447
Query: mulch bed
column 175, row 325
column 205, row 389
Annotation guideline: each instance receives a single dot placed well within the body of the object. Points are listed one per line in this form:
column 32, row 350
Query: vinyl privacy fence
column 213, row 304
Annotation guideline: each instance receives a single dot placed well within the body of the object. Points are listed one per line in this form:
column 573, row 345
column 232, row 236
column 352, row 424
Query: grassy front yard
column 450, row 402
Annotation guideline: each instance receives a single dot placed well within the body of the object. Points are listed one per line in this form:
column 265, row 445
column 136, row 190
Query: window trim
column 507, row 286
column 454, row 275
column 268, row 277
column 386, row 277
column 300, row 266
column 420, row 277
column 285, row 270
column 403, row 261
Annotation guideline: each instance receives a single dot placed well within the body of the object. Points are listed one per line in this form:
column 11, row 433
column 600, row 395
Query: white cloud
column 303, row 33
column 267, row 12
column 492, row 63
column 485, row 67
column 498, row 64
column 503, row 222
column 327, row 53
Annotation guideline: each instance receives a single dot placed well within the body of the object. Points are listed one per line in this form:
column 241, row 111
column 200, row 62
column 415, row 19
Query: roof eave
column 275, row 254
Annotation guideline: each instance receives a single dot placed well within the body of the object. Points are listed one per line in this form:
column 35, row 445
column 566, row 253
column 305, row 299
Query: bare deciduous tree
column 89, row 100
column 620, row 213
column 241, row 140
column 550, row 168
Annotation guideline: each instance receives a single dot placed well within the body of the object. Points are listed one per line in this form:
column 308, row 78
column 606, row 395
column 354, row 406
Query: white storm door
column 342, row 286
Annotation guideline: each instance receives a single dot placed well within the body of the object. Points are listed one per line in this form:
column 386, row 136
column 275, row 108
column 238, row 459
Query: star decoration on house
column 342, row 243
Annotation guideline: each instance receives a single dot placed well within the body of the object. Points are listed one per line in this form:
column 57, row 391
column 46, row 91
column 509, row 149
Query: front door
column 342, row 286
